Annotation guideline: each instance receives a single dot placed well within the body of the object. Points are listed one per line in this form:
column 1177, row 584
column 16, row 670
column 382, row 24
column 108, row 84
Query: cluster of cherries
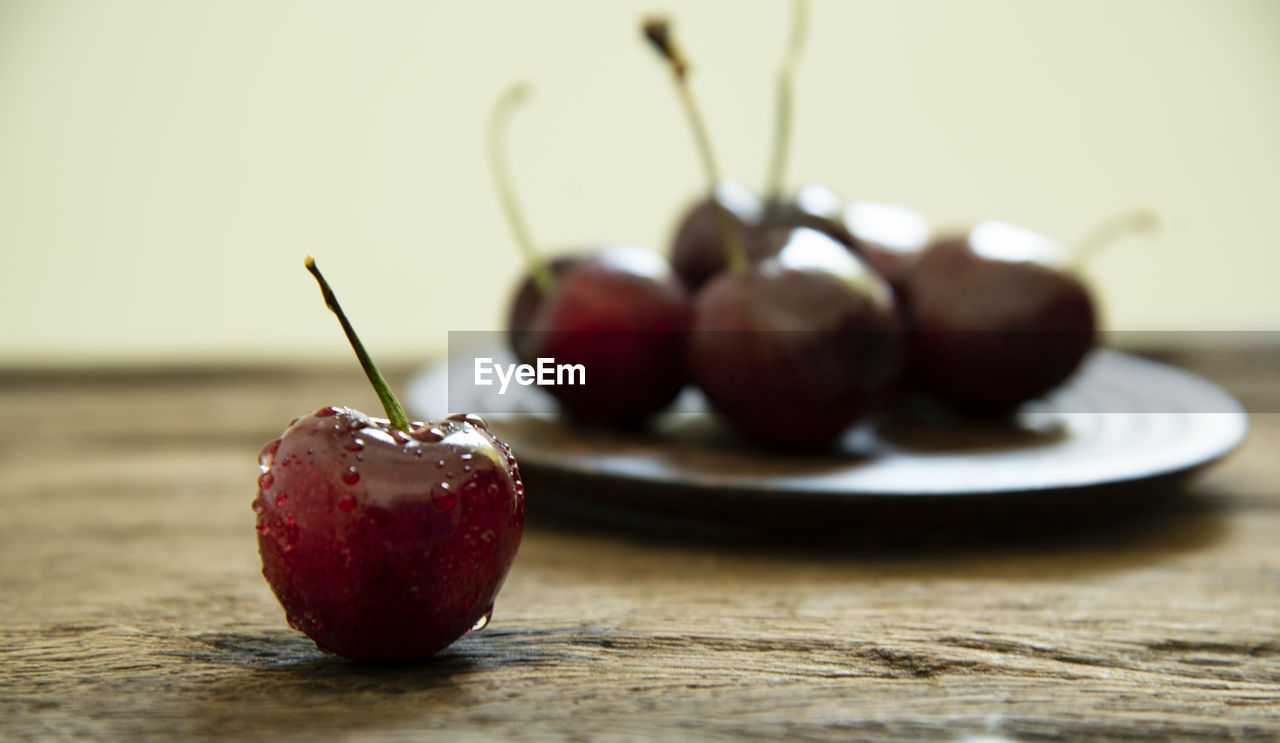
column 797, row 315
column 387, row 539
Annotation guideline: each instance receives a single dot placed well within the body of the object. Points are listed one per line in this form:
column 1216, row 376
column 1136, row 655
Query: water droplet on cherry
column 471, row 418
column 351, row 476
column 428, row 435
column 325, row 412
column 444, row 498
column 347, row 503
column 268, row 455
column 483, row 621
column 265, row 480
column 354, row 445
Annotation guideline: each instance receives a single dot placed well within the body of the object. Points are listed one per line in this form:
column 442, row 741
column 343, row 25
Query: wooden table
column 132, row 605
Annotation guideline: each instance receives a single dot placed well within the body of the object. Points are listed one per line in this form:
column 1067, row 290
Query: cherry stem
column 783, row 103
column 499, row 118
column 1104, row 234
column 658, row 33
column 395, row 413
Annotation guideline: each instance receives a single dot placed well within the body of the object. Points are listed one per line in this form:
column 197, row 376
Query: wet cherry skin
column 385, row 546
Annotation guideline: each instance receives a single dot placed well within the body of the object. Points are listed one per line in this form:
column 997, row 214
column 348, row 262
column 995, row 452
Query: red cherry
column 618, row 312
column 363, row 555
column 994, row 320
column 623, row 315
column 731, row 219
column 796, row 348
column 697, row 251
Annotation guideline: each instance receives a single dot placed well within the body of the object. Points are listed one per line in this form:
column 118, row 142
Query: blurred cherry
column 619, row 312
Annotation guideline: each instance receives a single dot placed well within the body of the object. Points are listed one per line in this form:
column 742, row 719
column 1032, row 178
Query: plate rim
column 1234, row 424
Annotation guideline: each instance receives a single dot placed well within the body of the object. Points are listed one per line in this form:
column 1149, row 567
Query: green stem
column 499, row 117
column 658, row 32
column 1139, row 221
column 783, row 105
column 395, row 413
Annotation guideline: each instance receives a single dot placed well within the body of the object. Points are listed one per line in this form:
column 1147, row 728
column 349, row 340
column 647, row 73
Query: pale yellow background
column 164, row 165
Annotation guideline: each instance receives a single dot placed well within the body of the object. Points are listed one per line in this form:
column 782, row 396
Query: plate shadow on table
column 1109, row 535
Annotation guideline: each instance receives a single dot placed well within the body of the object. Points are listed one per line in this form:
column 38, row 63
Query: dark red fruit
column 995, row 321
column 698, row 252
column 796, row 348
column 618, row 313
column 384, row 545
column 528, row 299
column 386, row 540
column 622, row 314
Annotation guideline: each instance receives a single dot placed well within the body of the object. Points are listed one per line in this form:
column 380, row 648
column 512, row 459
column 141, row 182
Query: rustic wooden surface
column 132, row 606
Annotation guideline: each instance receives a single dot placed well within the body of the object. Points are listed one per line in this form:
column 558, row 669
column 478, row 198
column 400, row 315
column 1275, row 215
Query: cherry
column 623, row 315
column 698, row 251
column 794, row 348
column 386, row 540
column 996, row 320
column 715, row 234
column 813, row 206
column 620, row 312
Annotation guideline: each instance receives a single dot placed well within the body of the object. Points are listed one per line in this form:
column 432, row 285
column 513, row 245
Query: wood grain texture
column 132, row 606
